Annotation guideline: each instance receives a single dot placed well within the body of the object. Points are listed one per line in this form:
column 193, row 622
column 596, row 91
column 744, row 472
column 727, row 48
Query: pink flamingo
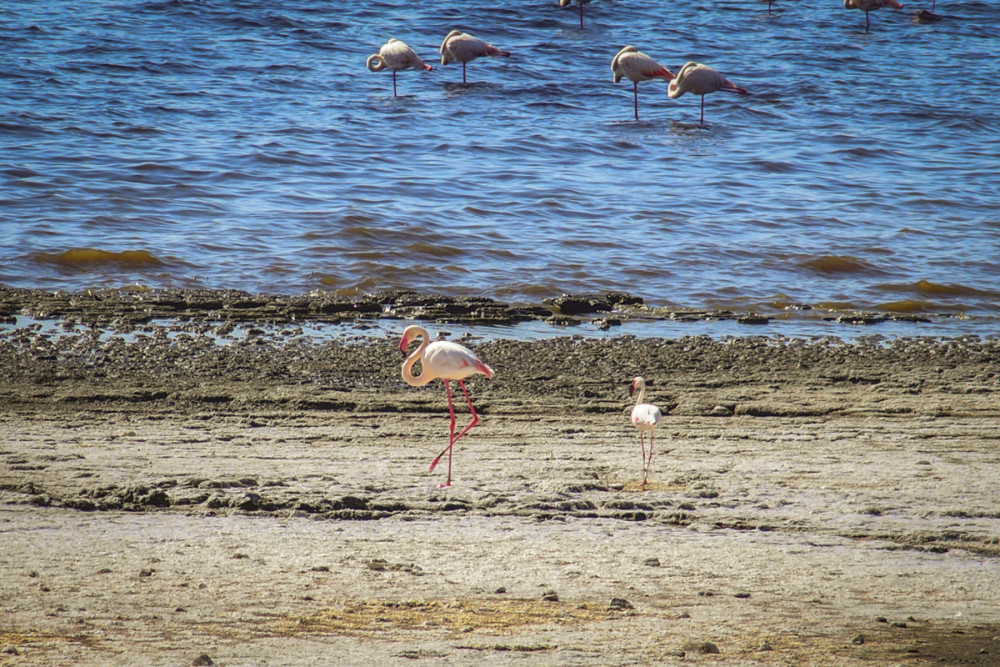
column 645, row 416
column 395, row 55
column 459, row 47
column 870, row 6
column 448, row 361
column 701, row 80
column 637, row 66
column 579, row 3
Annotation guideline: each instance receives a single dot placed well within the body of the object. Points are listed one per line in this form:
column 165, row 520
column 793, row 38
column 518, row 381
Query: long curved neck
column 642, row 396
column 408, row 376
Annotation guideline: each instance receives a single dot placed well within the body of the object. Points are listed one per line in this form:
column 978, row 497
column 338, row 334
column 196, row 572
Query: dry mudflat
column 171, row 496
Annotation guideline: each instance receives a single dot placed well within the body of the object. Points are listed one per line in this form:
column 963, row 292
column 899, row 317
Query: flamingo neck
column 418, row 354
column 641, row 398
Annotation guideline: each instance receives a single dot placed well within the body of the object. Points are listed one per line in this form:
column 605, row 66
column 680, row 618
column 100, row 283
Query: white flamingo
column 579, row 3
column 699, row 79
column 645, row 417
column 447, row 361
column 632, row 63
column 870, row 6
column 459, row 47
column 395, row 55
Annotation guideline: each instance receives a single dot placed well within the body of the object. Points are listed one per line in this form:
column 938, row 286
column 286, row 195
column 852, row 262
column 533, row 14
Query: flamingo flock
column 629, row 62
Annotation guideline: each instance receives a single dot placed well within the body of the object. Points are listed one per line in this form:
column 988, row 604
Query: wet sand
column 267, row 501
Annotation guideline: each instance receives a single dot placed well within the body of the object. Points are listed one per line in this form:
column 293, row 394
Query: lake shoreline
column 268, row 500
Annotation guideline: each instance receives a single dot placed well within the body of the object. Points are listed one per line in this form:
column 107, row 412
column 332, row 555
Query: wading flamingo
column 701, row 80
column 645, row 417
column 579, row 3
column 870, row 6
column 459, row 47
column 637, row 66
column 447, row 361
column 395, row 55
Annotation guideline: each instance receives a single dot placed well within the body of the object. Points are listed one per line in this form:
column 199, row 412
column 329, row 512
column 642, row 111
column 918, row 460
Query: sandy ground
column 267, row 501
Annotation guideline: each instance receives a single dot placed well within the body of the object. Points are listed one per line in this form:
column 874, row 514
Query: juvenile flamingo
column 395, row 55
column 447, row 361
column 579, row 3
column 459, row 47
column 645, row 417
column 701, row 80
column 637, row 66
column 870, row 6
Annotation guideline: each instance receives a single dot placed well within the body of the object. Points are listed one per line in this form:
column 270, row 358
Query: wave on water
column 85, row 258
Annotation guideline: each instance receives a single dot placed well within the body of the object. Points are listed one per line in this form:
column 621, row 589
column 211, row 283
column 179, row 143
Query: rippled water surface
column 218, row 143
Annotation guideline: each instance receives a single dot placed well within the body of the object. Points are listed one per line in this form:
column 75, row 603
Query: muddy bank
column 171, row 491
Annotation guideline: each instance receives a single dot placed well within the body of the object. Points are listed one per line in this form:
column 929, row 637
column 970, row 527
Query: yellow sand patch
column 359, row 617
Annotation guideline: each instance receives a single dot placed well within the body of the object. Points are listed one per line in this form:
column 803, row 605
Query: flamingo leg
column 642, row 443
column 635, row 95
column 452, row 437
column 932, row 6
column 463, row 73
column 394, row 83
column 702, row 109
column 580, row 5
column 768, row 6
column 648, row 463
column 867, row 24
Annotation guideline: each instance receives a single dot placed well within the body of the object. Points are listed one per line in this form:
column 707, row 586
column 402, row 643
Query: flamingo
column 395, row 55
column 632, row 63
column 645, row 416
column 870, row 6
column 700, row 80
column 459, row 47
column 447, row 361
column 579, row 3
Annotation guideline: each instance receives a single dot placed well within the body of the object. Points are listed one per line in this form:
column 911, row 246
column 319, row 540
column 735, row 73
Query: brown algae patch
column 360, row 617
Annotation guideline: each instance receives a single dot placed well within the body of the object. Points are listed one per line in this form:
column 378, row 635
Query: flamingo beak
column 631, row 388
column 403, row 343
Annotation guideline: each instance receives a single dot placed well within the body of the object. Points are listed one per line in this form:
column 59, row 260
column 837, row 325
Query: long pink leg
column 649, row 462
column 452, row 438
column 642, row 443
column 635, row 95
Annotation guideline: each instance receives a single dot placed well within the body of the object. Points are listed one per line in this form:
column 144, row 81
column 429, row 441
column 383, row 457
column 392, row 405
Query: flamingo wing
column 451, row 361
column 646, row 416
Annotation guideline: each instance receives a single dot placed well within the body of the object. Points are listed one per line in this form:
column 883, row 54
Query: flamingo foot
column 445, row 485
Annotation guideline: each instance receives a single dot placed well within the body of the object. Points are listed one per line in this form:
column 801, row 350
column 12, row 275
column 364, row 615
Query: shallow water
column 245, row 145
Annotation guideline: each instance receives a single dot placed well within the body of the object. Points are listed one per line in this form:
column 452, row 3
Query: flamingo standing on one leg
column 637, row 66
column 447, row 361
column 579, row 3
column 459, row 47
column 645, row 416
column 395, row 55
column 870, row 6
column 701, row 80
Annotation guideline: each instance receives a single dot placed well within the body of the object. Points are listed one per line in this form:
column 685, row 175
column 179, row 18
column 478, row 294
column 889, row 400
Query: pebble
column 651, row 562
column 701, row 647
column 203, row 660
column 550, row 596
column 764, row 646
column 858, row 639
column 501, row 590
column 10, row 649
column 620, row 603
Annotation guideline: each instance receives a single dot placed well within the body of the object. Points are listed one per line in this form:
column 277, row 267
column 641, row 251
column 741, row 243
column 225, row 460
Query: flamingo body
column 645, row 417
column 702, row 80
column 395, row 55
column 633, row 64
column 871, row 5
column 459, row 47
column 446, row 361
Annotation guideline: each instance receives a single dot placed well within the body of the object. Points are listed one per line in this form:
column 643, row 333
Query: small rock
column 742, row 596
column 701, row 647
column 683, row 614
column 881, row 619
column 550, row 596
column 203, row 660
column 721, row 411
column 897, row 624
column 620, row 603
column 143, row 574
column 501, row 590
column 765, row 646
column 10, row 649
column 858, row 639
column 651, row 562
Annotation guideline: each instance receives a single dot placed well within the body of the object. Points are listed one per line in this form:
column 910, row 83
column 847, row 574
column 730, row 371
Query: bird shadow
column 475, row 86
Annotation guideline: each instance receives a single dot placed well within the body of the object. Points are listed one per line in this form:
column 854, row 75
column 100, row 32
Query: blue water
column 245, row 145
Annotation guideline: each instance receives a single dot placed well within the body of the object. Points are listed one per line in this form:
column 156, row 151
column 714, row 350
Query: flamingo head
column 638, row 384
column 409, row 333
